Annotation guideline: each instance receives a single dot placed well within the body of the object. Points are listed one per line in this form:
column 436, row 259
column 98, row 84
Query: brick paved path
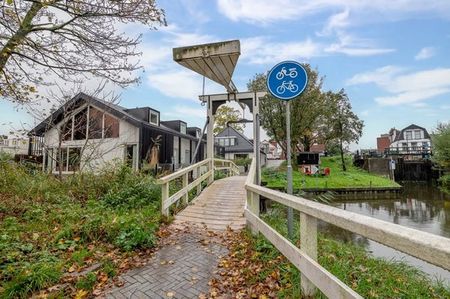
column 187, row 260
column 182, row 268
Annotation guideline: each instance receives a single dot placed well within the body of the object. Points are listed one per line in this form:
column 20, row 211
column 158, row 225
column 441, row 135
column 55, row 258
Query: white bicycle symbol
column 292, row 87
column 282, row 73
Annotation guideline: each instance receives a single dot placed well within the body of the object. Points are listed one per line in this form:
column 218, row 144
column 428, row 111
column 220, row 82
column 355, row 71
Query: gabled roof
column 116, row 110
column 243, row 144
column 401, row 136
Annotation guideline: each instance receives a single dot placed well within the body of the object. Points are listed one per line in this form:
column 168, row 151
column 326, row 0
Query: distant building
column 14, row 145
column 236, row 145
column 318, row 148
column 411, row 140
column 383, row 143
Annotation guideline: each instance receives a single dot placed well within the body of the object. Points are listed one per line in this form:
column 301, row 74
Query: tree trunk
column 20, row 34
column 344, row 168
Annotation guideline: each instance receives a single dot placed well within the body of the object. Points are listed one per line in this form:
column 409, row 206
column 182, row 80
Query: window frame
column 153, row 112
column 183, row 128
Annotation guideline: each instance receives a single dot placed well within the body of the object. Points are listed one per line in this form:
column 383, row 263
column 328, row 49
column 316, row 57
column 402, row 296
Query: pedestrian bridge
column 234, row 202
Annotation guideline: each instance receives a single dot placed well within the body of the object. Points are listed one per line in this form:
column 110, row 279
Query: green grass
column 354, row 177
column 50, row 226
column 369, row 276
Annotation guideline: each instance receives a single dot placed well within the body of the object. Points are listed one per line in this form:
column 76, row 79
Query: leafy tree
column 307, row 112
column 225, row 114
column 343, row 125
column 441, row 145
column 43, row 40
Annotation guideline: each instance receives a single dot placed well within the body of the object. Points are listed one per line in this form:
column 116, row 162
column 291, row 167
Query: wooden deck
column 220, row 205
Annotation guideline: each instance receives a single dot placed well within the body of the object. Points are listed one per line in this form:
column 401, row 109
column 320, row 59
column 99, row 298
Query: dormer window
column 183, row 128
column 154, row 118
column 197, row 133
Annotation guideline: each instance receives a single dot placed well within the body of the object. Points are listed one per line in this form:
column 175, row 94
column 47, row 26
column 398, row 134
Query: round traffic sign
column 287, row 80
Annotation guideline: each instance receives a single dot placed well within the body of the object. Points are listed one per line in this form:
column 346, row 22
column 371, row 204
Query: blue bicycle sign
column 287, row 80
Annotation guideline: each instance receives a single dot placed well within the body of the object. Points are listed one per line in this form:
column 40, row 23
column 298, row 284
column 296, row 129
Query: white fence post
column 185, row 184
column 308, row 244
column 199, row 186
column 164, row 197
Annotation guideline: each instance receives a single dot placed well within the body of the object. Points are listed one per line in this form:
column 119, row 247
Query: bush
column 445, row 182
column 49, row 224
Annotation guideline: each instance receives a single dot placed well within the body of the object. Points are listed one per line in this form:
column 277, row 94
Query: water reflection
column 421, row 207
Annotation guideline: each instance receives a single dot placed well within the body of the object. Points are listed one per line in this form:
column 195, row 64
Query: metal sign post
column 286, row 81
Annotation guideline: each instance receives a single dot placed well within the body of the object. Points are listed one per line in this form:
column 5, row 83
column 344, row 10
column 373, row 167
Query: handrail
column 168, row 200
column 425, row 246
column 181, row 171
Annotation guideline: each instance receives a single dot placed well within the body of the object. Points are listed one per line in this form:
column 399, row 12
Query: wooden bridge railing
column 425, row 246
column 200, row 172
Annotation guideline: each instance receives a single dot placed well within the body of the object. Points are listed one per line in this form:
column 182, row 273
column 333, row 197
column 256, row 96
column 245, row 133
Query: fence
column 198, row 172
column 425, row 246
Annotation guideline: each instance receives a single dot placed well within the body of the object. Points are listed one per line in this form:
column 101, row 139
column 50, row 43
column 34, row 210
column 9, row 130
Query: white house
column 14, row 145
column 411, row 139
column 237, row 146
column 87, row 133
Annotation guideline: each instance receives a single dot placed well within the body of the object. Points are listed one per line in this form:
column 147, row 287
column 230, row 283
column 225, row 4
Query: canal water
column 421, row 206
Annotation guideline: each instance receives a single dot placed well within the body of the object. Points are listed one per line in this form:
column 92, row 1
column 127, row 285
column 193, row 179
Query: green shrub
column 445, row 182
column 87, row 282
column 33, row 277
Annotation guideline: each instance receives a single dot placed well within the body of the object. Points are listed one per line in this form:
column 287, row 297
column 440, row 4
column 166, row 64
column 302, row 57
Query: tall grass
column 47, row 225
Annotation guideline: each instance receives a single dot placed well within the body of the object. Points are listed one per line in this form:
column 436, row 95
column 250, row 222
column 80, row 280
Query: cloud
column 336, row 22
column 269, row 11
column 405, row 88
column 181, row 84
column 425, row 53
column 364, row 113
column 352, row 46
column 187, row 111
column 262, row 50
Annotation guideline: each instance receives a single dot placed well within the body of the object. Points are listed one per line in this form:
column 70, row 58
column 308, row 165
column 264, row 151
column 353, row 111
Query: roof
column 114, row 109
column 317, row 148
column 243, row 144
column 401, row 136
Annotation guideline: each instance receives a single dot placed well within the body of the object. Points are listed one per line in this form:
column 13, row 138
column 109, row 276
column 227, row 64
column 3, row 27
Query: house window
column 111, row 127
column 154, row 118
column 408, row 135
column 131, row 155
column 95, row 123
column 74, row 158
column 183, row 128
column 404, row 146
column 197, row 133
column 414, row 145
column 68, row 158
column 417, row 134
column 425, row 145
column 80, row 125
column 66, row 130
column 227, row 141
column 232, row 141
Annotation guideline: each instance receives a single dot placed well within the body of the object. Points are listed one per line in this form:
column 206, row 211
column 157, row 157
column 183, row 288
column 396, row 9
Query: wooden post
column 199, row 186
column 253, row 206
column 185, row 184
column 308, row 244
column 164, row 197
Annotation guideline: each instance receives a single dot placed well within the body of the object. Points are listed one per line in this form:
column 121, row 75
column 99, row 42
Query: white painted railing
column 201, row 171
column 425, row 246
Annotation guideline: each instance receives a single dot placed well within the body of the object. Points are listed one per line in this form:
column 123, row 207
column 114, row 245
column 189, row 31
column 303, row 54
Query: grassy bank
column 352, row 178
column 72, row 234
column 264, row 271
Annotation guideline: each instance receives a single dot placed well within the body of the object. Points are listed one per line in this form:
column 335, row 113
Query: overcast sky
column 392, row 57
